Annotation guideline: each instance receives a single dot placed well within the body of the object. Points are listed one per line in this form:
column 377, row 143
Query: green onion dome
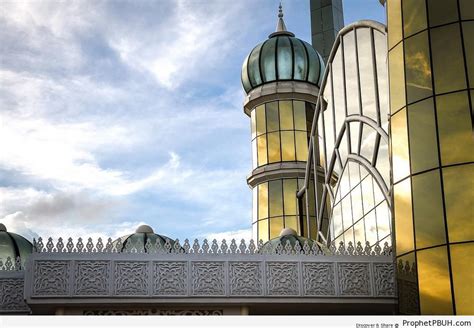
column 139, row 239
column 282, row 57
column 13, row 246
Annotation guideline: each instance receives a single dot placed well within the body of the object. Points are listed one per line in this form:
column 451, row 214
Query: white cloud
column 238, row 235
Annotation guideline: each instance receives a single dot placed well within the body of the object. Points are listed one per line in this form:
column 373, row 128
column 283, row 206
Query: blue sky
column 118, row 113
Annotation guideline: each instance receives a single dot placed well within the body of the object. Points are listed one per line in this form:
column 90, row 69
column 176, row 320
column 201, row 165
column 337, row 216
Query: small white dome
column 144, row 229
column 288, row 232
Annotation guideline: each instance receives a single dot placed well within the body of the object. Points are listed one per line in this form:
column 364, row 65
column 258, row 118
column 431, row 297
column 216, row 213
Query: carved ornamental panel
column 384, row 275
column 131, row 278
column 282, row 278
column 354, row 279
column 245, row 278
column 170, row 278
column 11, row 295
column 91, row 278
column 51, row 278
column 208, row 278
column 318, row 279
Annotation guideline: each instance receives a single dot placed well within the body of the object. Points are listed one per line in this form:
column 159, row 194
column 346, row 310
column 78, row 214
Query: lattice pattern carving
column 131, row 278
column 384, row 276
column 11, row 295
column 170, row 278
column 245, row 278
column 155, row 312
column 91, row 278
column 282, row 278
column 208, row 278
column 354, row 279
column 51, row 278
column 318, row 279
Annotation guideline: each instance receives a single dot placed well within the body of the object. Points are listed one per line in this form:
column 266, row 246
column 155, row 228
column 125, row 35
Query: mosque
column 361, row 162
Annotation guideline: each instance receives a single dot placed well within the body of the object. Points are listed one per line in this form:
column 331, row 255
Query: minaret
column 281, row 77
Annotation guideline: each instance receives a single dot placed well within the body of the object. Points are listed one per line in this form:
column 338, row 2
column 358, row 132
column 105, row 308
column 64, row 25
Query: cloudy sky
column 116, row 113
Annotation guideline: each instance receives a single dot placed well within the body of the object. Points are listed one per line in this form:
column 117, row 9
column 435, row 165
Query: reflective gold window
column 403, row 217
column 442, row 12
column 400, row 155
column 414, row 16
column 467, row 9
column 459, row 195
column 273, row 121
column 275, row 196
column 417, row 66
column 448, row 62
column 394, row 20
column 274, row 147
column 428, row 210
column 263, row 200
column 263, row 231
column 423, row 139
column 468, row 32
column 433, row 281
column 300, row 115
column 454, row 128
column 260, row 120
column 397, row 78
column 286, row 115
column 462, row 266
column 262, row 150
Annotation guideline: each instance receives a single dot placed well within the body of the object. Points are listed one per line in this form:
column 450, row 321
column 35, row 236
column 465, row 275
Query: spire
column 281, row 27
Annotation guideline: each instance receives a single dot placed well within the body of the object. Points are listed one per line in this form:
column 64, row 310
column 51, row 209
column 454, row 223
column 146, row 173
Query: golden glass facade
column 280, row 132
column 431, row 53
column 275, row 207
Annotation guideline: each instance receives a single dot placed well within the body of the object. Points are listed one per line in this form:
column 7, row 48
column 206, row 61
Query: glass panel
column 433, row 281
column 417, row 66
column 301, row 146
column 253, row 124
column 468, row 32
column 286, row 115
column 314, row 64
column 383, row 165
column 328, row 122
column 337, row 220
column 288, row 146
column 454, row 128
column 414, row 16
column 383, row 220
column 244, row 76
column 338, row 89
column 407, row 285
column 403, row 217
column 394, row 20
column 458, row 195
column 284, row 58
column 291, row 222
column 267, row 60
column 289, row 190
column 260, row 118
column 397, row 78
column 359, row 232
column 262, row 150
column 423, row 139
column 254, row 66
column 367, row 194
column 274, row 147
column 346, row 212
column 263, row 230
column 400, row 156
column 300, row 115
column 366, row 69
column 273, row 122
column 442, row 12
column 255, row 204
column 448, row 63
column 350, row 66
column 276, row 226
column 344, row 183
column 462, row 266
column 254, row 154
column 343, row 149
column 275, row 196
column 263, row 200
column 467, row 10
column 428, row 210
column 301, row 64
column 381, row 57
column 356, row 197
column 367, row 142
column 355, row 129
column 371, row 228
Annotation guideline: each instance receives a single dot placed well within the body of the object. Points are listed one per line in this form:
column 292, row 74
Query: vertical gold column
column 431, row 68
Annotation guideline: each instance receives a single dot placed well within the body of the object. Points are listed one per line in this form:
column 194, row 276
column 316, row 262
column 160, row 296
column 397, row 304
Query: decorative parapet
column 12, row 288
column 94, row 273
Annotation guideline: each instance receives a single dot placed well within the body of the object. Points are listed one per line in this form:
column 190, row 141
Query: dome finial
column 281, row 27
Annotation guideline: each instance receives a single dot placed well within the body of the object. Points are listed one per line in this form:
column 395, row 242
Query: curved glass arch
column 300, row 60
column 254, row 66
column 267, row 60
column 284, row 58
